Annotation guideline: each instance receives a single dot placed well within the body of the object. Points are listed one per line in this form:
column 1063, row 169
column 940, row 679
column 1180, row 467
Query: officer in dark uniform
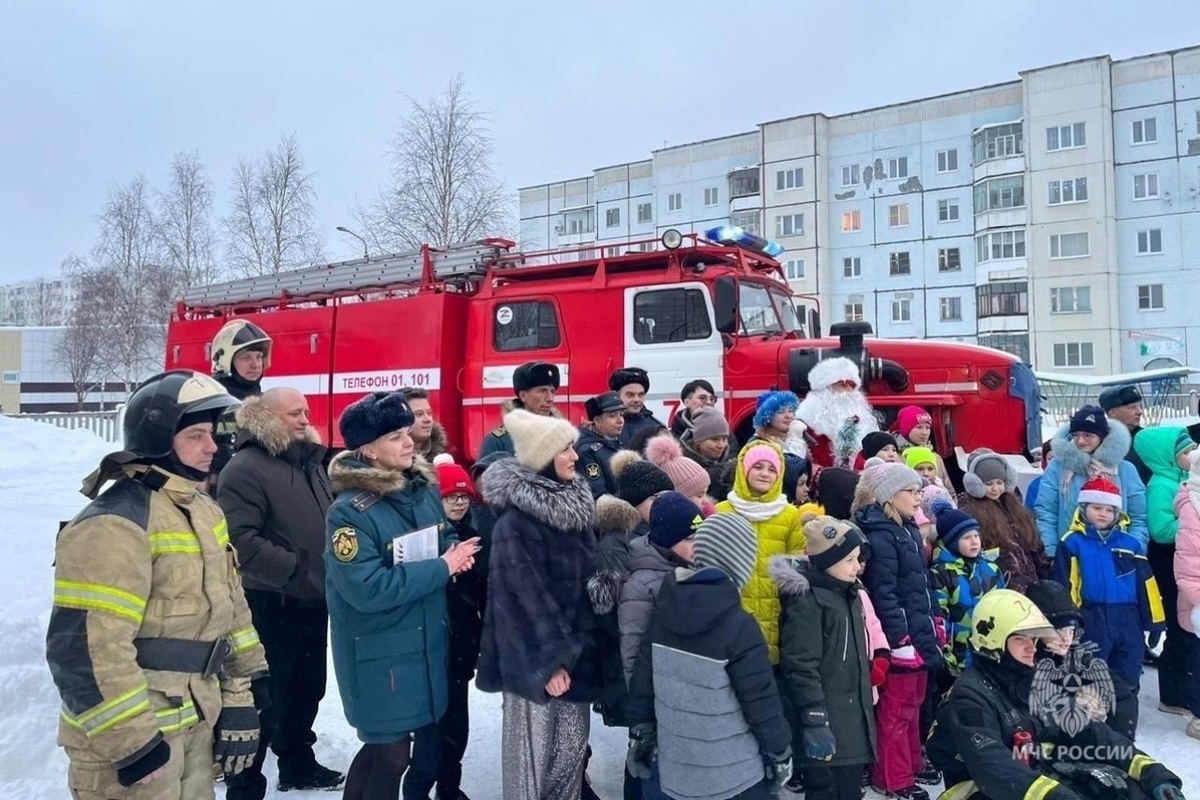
column 534, row 384
column 631, row 384
column 599, row 439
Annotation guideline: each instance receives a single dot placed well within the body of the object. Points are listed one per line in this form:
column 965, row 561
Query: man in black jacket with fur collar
column 275, row 492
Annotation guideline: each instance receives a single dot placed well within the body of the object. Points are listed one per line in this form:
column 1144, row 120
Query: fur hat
column 882, row 480
column 1101, row 491
column 452, row 478
column 835, row 491
column 769, row 404
column 916, row 455
column 533, row 374
column 673, row 518
column 689, row 478
column 910, row 417
column 833, row 370
column 875, row 441
column 538, row 439
column 1117, row 396
column 637, row 479
column 708, row 423
column 627, row 375
column 952, row 524
column 727, row 542
column 985, row 465
column 1089, row 419
column 375, row 415
column 829, row 540
column 1054, row 600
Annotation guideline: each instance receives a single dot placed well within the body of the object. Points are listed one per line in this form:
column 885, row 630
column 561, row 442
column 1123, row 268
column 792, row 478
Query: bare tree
column 443, row 187
column 43, row 305
column 185, row 223
column 78, row 351
column 271, row 226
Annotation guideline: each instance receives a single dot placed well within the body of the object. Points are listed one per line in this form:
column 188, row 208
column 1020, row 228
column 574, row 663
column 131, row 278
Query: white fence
column 1060, row 402
column 105, row 424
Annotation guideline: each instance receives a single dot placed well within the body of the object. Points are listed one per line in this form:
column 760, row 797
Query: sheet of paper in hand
column 420, row 545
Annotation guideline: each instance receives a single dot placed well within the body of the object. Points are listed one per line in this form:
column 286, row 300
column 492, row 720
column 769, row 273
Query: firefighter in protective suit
column 990, row 745
column 241, row 355
column 150, row 641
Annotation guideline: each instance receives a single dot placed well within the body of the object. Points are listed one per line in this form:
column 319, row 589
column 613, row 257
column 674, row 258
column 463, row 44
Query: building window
column 1145, row 131
column 789, row 225
column 786, row 179
column 527, row 325
column 853, row 309
column 1000, row 193
column 674, row 201
column 852, row 267
column 949, row 259
column 897, row 167
column 1015, row 343
column 749, row 221
column 1072, row 190
column 1000, row 245
column 1149, row 242
column 612, row 217
column 850, row 175
column 998, row 141
column 670, row 315
column 12, row 378
column 744, row 183
column 898, row 216
column 898, row 264
column 1071, row 300
column 902, row 308
column 1145, row 186
column 950, row 309
column 947, row 160
column 612, row 252
column 1002, row 299
column 794, row 269
column 851, row 221
column 948, row 210
column 1069, row 245
column 1074, row 354
column 712, row 196
column 1066, row 137
column 1150, row 297
column 644, row 212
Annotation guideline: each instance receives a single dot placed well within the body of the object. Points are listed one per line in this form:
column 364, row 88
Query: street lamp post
column 344, row 229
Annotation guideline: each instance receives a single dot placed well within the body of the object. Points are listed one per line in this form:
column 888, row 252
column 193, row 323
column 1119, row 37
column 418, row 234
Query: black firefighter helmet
column 233, row 337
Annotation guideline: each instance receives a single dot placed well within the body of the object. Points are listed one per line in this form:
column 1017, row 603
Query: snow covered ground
column 40, row 472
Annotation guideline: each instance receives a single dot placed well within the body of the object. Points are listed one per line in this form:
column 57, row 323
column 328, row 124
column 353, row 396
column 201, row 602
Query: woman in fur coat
column 539, row 636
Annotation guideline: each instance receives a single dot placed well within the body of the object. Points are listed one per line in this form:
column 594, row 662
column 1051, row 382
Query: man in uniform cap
column 599, row 440
column 631, row 384
column 534, row 384
column 1124, row 404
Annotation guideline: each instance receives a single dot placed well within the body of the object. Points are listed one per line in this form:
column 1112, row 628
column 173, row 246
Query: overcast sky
column 92, row 93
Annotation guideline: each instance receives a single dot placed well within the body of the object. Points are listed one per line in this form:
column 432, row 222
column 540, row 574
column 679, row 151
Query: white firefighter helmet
column 235, row 336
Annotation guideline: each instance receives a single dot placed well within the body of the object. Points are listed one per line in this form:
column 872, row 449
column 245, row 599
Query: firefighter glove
column 778, row 770
column 819, row 743
column 235, row 739
column 1094, row 781
column 1160, row 783
column 643, row 747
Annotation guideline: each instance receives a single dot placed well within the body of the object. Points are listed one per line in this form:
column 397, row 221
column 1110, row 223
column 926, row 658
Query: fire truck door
column 669, row 332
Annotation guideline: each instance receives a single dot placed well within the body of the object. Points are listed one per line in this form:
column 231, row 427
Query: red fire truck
column 458, row 321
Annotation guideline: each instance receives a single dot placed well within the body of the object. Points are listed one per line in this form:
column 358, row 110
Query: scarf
column 757, row 510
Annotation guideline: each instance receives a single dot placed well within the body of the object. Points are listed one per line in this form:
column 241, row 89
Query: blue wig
column 771, row 403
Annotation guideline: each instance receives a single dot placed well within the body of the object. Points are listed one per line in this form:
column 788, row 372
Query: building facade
column 39, row 302
column 1056, row 216
column 35, row 379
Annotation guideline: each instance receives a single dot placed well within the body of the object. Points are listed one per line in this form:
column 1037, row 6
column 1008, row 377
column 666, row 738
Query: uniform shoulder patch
column 344, row 544
column 364, row 500
column 596, row 446
column 593, row 471
column 499, row 431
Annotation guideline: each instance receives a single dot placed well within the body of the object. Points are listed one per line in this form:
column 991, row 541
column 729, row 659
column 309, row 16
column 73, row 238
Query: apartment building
column 39, row 302
column 1056, row 216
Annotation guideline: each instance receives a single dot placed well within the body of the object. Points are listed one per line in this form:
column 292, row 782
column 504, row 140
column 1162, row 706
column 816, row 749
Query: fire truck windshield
column 758, row 309
column 787, row 313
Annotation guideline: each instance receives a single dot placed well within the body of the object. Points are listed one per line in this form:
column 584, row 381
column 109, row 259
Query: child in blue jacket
column 1110, row 579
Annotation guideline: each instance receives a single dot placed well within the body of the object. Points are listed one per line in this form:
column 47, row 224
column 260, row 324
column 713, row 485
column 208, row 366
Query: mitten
column 879, row 670
column 777, row 769
column 819, row 743
column 643, row 746
column 235, row 739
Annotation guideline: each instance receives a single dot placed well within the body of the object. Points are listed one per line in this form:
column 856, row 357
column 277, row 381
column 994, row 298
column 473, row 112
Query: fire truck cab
column 457, row 322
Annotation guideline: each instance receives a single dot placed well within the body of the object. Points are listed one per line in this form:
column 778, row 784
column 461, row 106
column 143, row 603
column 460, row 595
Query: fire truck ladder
column 458, row 262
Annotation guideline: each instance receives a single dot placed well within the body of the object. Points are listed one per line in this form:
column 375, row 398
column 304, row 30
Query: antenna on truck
column 428, row 265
